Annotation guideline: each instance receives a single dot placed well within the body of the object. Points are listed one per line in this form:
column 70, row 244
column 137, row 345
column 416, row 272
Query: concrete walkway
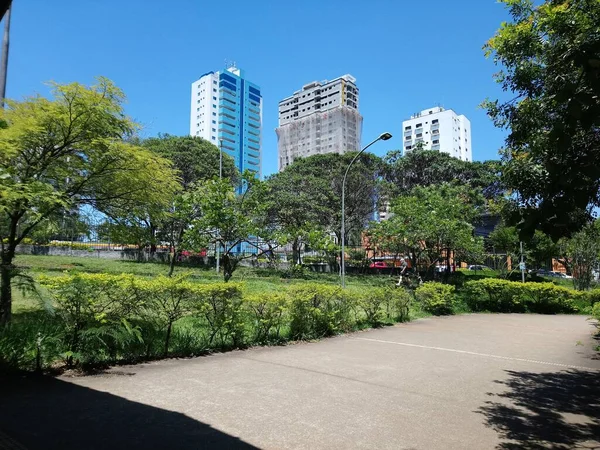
column 465, row 382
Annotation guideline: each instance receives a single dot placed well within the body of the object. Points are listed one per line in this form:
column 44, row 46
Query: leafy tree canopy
column 550, row 61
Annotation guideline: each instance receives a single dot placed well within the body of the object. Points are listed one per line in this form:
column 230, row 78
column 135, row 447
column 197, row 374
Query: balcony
column 435, row 127
column 435, row 147
column 408, row 133
column 224, row 126
column 227, row 105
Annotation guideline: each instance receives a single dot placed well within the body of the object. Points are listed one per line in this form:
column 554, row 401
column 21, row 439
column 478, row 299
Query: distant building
column 226, row 109
column 439, row 129
column 320, row 118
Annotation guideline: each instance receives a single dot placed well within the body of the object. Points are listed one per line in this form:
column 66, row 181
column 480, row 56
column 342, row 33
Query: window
column 435, row 121
column 408, row 147
column 419, row 135
column 214, row 114
column 214, row 98
column 214, row 106
column 436, row 141
column 197, row 109
column 419, row 125
column 408, row 138
column 214, row 90
column 214, row 121
column 213, row 138
column 214, row 131
column 407, row 128
column 214, row 81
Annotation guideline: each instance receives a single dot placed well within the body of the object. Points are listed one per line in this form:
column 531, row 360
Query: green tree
column 194, row 159
column 61, row 154
column 549, row 58
column 305, row 198
column 427, row 168
column 430, row 224
column 583, row 250
column 225, row 218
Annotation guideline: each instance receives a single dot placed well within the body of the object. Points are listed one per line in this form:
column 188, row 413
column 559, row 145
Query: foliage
column 268, row 313
column 220, row 305
column 317, row 310
column 549, row 58
column 303, row 202
column 583, row 251
column 436, row 298
column 59, row 155
column 430, row 223
column 596, row 311
column 498, row 295
column 225, row 218
column 427, row 168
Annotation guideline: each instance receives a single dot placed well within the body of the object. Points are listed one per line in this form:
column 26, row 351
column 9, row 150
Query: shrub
column 397, row 304
column 436, row 298
column 495, row 295
column 506, row 296
column 596, row 311
column 94, row 309
column 268, row 314
column 317, row 310
column 220, row 305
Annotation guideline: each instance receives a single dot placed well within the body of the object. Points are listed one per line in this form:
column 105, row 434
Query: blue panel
column 254, row 97
column 224, row 76
column 254, row 90
column 231, row 87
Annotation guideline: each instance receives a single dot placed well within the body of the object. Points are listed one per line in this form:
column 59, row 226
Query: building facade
column 226, row 109
column 439, row 129
column 320, row 118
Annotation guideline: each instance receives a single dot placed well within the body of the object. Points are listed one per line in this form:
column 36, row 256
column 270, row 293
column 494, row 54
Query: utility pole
column 4, row 63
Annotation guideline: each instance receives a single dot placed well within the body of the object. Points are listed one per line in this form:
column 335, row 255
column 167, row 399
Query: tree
column 306, row 197
column 583, row 250
column 549, row 58
column 194, row 160
column 59, row 155
column 225, row 218
column 427, row 168
column 431, row 224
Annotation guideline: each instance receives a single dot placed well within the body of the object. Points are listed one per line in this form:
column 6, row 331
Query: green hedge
column 436, row 298
column 100, row 319
column 498, row 295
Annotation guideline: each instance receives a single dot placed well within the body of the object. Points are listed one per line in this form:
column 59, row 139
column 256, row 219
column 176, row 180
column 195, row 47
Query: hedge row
column 102, row 319
column 496, row 295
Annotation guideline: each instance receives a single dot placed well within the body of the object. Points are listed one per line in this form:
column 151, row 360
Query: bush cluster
column 436, row 298
column 496, row 295
column 100, row 319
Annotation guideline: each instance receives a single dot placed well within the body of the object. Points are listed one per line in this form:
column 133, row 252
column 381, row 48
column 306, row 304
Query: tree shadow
column 537, row 411
column 47, row 413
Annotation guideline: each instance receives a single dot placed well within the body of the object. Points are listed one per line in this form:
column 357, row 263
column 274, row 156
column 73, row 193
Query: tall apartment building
column 320, row 118
column 226, row 109
column 439, row 129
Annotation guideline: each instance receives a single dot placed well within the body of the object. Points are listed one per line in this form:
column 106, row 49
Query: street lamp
column 382, row 137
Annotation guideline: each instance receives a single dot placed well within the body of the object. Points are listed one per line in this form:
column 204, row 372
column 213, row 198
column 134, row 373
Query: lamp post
column 217, row 244
column 382, row 137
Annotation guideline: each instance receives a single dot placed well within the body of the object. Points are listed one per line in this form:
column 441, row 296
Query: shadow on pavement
column 556, row 411
column 47, row 413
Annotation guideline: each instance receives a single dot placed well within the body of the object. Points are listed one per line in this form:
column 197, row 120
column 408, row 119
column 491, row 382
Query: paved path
column 465, row 382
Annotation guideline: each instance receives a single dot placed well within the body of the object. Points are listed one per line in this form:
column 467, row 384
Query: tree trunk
column 228, row 267
column 168, row 338
column 172, row 262
column 295, row 251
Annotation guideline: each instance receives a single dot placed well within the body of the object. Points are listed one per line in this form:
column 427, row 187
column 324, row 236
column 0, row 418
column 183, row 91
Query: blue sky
column 406, row 56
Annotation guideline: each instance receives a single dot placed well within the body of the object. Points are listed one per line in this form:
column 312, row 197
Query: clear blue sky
column 406, row 56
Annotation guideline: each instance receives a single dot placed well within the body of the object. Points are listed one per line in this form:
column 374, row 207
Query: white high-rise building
column 226, row 110
column 320, row 118
column 439, row 129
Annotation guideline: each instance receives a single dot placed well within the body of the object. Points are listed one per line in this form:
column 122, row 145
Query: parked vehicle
column 478, row 267
column 561, row 275
column 378, row 265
